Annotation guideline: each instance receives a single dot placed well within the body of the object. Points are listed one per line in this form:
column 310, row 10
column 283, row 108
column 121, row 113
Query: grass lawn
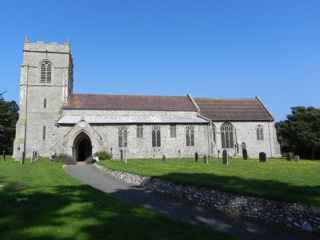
column 276, row 179
column 60, row 208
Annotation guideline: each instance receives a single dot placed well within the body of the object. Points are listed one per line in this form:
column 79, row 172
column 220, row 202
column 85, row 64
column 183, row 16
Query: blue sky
column 209, row 48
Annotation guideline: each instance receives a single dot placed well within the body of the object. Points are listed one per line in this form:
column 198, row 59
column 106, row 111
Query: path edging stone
column 294, row 215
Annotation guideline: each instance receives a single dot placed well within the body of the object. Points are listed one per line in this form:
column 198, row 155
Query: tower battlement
column 40, row 46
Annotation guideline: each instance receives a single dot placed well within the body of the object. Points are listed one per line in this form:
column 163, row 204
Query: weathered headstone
column 4, row 155
column 296, row 157
column 225, row 157
column 218, row 154
column 163, row 157
column 290, row 156
column 245, row 154
column 262, row 157
column 196, row 157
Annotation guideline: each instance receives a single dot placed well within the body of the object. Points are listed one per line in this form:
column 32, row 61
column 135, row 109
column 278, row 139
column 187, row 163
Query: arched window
column 260, row 135
column 156, row 136
column 173, row 131
column 214, row 133
column 190, row 135
column 44, row 133
column 45, row 71
column 227, row 135
column 123, row 137
column 45, row 103
column 139, row 131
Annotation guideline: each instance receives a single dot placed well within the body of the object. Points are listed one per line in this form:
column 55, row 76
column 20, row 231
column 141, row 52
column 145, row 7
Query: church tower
column 46, row 83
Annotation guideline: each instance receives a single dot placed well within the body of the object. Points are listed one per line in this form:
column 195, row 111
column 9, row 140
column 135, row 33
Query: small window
column 45, row 103
column 45, row 71
column 260, row 134
column 214, row 134
column 173, row 130
column 156, row 136
column 227, row 135
column 190, row 135
column 44, row 130
column 123, row 137
column 139, row 131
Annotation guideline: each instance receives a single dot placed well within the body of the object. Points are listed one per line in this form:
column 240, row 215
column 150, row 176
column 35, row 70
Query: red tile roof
column 233, row 109
column 130, row 102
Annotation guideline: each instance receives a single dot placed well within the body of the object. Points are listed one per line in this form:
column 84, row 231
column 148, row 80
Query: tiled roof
column 233, row 109
column 130, row 102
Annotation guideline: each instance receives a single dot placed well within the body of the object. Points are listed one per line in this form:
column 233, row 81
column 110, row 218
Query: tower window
column 45, row 75
column 45, row 103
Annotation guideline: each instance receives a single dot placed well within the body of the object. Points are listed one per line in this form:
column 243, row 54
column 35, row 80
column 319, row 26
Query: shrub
column 63, row 158
column 103, row 155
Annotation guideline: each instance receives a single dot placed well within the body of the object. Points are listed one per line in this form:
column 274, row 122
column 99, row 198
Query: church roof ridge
column 127, row 95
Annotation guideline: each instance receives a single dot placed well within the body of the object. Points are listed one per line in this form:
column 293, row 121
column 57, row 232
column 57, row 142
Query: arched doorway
column 82, row 147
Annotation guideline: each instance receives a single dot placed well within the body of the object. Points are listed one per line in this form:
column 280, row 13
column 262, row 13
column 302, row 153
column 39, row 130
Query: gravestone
column 225, row 157
column 4, row 155
column 262, row 157
column 163, row 157
column 296, row 157
column 290, row 156
column 205, row 159
column 196, row 157
column 245, row 154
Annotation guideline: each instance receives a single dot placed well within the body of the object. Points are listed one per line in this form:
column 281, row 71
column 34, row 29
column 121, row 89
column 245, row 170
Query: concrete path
column 178, row 210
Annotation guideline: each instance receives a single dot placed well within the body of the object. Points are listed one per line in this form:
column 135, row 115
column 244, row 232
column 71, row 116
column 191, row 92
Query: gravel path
column 178, row 210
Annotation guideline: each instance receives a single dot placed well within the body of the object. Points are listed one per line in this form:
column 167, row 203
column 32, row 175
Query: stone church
column 55, row 120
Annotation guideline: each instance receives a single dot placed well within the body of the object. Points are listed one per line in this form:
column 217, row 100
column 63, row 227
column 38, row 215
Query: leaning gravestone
column 262, row 157
column 225, row 157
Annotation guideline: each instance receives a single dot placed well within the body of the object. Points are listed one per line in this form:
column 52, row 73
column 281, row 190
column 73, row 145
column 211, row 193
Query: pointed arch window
column 214, row 133
column 123, row 137
column 260, row 134
column 190, row 135
column 46, row 68
column 156, row 136
column 45, row 103
column 227, row 135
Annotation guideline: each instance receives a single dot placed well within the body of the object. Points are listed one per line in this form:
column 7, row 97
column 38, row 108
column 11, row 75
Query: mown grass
column 275, row 179
column 39, row 201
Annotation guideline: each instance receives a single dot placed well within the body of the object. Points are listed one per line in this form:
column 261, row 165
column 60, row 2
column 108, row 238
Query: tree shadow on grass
column 81, row 212
column 268, row 189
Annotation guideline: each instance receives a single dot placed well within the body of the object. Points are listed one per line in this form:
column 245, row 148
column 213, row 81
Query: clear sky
column 209, row 48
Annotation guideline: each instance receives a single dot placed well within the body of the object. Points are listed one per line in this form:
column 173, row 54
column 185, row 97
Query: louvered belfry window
column 46, row 68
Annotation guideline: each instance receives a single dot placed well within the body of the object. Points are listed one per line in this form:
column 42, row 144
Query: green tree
column 8, row 119
column 300, row 133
